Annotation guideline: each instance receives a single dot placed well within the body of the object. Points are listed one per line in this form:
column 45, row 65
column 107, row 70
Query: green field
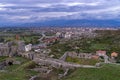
column 99, row 46
column 2, row 58
column 107, row 72
column 18, row 71
column 82, row 61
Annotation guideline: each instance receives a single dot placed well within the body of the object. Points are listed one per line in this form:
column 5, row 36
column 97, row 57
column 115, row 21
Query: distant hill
column 70, row 23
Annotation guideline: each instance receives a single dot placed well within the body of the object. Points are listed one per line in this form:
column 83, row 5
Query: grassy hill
column 107, row 72
column 82, row 61
column 18, row 71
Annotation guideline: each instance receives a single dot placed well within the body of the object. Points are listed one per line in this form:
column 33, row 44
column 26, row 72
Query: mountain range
column 66, row 23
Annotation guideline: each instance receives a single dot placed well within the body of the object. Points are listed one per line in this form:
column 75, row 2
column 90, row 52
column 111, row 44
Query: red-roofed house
column 101, row 53
column 95, row 57
column 114, row 54
column 50, row 40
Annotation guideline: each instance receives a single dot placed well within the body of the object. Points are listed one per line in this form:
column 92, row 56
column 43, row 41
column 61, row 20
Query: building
column 17, row 37
column 101, row 53
column 114, row 54
column 85, row 55
column 68, row 35
column 50, row 40
column 58, row 34
column 95, row 57
column 28, row 47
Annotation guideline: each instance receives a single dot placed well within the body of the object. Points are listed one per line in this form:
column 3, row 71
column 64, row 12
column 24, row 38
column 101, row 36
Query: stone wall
column 55, row 63
column 8, row 49
column 2, row 64
column 76, row 55
column 4, row 51
column 64, row 57
column 29, row 55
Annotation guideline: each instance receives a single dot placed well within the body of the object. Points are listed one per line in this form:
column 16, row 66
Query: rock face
column 28, row 47
column 2, row 65
column 21, row 46
column 8, row 49
column 15, row 48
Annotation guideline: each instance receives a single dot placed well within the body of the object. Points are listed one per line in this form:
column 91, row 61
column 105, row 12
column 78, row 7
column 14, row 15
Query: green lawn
column 30, row 39
column 2, row 58
column 18, row 71
column 9, row 38
column 107, row 72
column 99, row 46
column 82, row 61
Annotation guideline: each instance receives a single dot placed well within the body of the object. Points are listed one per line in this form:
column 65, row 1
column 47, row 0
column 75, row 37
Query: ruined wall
column 2, row 64
column 29, row 55
column 64, row 57
column 8, row 51
column 55, row 63
column 11, row 48
column 4, row 51
column 76, row 55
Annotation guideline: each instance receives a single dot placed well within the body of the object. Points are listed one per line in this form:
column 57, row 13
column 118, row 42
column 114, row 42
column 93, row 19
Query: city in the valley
column 54, row 53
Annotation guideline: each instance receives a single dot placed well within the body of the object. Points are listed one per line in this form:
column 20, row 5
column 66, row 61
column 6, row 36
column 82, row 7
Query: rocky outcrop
column 4, row 51
column 2, row 64
column 11, row 48
column 7, row 49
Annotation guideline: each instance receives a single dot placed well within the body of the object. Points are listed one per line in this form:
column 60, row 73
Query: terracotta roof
column 101, row 52
column 114, row 54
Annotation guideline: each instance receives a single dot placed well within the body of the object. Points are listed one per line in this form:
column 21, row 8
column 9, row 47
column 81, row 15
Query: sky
column 42, row 10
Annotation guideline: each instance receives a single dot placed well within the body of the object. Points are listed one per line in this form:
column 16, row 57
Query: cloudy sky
column 41, row 10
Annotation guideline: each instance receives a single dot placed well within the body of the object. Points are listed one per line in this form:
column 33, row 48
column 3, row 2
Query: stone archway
column 10, row 63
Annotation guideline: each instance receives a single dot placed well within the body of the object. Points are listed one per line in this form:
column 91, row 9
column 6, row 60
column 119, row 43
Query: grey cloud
column 17, row 10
